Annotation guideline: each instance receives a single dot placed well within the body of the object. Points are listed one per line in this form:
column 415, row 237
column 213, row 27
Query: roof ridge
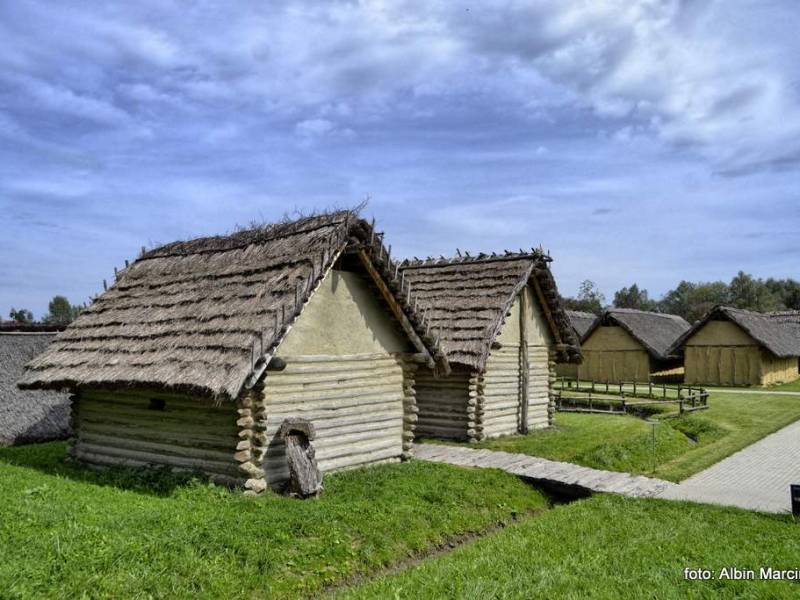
column 646, row 312
column 443, row 261
column 268, row 232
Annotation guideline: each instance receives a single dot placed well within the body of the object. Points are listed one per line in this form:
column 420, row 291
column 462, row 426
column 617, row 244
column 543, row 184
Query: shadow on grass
column 51, row 458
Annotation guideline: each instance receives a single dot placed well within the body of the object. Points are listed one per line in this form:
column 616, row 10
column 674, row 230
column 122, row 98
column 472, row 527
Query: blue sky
column 637, row 140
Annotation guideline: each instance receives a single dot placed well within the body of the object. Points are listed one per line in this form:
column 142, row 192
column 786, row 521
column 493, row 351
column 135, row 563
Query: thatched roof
column 466, row 299
column 206, row 315
column 657, row 332
column 581, row 321
column 27, row 416
column 778, row 332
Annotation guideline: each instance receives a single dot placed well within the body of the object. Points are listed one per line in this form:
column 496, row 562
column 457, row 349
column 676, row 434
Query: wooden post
column 524, row 365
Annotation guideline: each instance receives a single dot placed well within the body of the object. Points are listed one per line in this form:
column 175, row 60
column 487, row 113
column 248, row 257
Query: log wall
column 355, row 402
column 502, row 393
column 443, row 405
column 113, row 428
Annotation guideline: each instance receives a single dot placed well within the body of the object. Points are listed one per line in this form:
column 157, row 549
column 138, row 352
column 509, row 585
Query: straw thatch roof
column 778, row 332
column 581, row 321
column 466, row 299
column 657, row 332
column 27, row 416
column 205, row 316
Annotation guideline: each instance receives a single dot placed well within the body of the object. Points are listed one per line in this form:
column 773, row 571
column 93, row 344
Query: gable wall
column 722, row 353
column 346, row 374
column 612, row 354
column 502, row 378
column 721, row 333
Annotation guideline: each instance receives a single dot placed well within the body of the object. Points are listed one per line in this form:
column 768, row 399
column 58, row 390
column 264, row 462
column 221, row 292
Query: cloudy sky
column 637, row 140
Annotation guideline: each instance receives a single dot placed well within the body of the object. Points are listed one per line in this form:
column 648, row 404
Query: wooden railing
column 572, row 395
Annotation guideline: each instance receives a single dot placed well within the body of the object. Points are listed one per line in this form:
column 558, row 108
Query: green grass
column 684, row 445
column 792, row 386
column 608, row 547
column 67, row 531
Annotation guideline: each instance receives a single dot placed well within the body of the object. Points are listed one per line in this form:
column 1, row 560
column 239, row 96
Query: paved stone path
column 756, row 478
column 547, row 471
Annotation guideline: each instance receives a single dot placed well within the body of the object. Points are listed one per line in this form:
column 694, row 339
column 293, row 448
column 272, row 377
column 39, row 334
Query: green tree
column 589, row 299
column 753, row 294
column 692, row 300
column 61, row 312
column 22, row 315
column 633, row 297
column 786, row 290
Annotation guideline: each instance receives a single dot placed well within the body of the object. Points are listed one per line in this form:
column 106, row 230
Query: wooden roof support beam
column 546, row 306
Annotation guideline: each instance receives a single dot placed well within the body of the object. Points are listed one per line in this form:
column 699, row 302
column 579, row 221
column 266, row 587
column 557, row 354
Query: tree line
column 692, row 300
column 59, row 312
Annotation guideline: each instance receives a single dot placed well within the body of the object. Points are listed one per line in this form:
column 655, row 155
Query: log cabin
column 501, row 324
column 202, row 348
column 626, row 345
column 28, row 416
column 731, row 346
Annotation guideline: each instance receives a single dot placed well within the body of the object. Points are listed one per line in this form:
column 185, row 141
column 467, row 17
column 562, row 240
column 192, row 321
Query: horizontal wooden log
column 325, row 406
column 111, row 441
column 343, row 390
column 337, row 358
column 187, row 438
column 123, row 454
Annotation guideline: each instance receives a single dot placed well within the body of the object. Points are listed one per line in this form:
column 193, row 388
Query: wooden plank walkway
column 545, row 471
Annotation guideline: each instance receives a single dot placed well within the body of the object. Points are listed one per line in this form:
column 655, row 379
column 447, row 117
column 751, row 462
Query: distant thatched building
column 502, row 325
column 630, row 345
column 581, row 322
column 203, row 348
column 731, row 346
column 28, row 416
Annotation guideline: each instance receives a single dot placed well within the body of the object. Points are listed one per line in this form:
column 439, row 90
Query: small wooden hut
column 27, row 417
column 624, row 345
column 202, row 349
column 581, row 322
column 731, row 346
column 502, row 325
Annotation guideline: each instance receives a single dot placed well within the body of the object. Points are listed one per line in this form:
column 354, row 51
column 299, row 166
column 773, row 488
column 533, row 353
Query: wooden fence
column 572, row 395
